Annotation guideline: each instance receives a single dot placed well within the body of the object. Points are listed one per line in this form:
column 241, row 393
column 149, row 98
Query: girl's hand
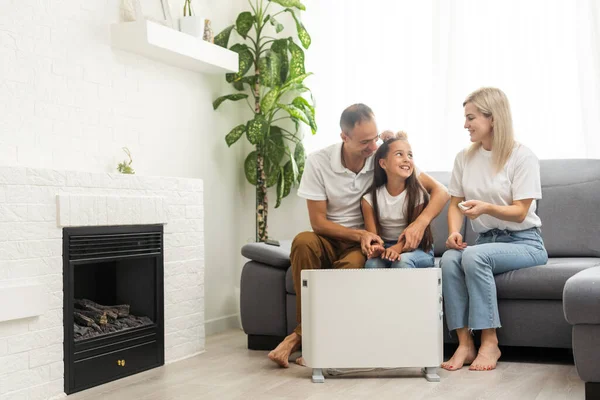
column 455, row 241
column 375, row 251
column 368, row 240
column 476, row 208
column 390, row 254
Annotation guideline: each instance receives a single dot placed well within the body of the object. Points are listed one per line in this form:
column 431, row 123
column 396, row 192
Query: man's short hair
column 355, row 114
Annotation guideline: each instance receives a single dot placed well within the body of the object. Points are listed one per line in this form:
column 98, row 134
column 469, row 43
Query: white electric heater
column 372, row 318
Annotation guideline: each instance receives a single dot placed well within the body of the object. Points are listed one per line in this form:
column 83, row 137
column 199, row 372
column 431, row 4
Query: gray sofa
column 530, row 300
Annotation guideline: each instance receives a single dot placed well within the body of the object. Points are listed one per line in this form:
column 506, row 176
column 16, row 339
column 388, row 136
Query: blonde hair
column 493, row 103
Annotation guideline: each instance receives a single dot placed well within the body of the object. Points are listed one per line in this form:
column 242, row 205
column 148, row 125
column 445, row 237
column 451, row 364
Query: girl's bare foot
column 300, row 361
column 464, row 355
column 282, row 352
column 487, row 358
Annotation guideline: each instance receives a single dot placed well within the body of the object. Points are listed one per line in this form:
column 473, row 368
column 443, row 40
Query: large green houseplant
column 271, row 75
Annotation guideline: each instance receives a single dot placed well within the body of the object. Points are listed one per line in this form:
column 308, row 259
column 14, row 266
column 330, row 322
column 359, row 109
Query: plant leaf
column 294, row 168
column 298, row 79
column 280, row 46
column 235, row 134
column 257, row 129
column 301, row 30
column 249, row 80
column 244, row 23
column 288, row 175
column 280, row 187
column 270, row 69
column 294, row 112
column 278, row 26
column 250, row 170
column 245, row 60
column 309, row 111
column 232, row 97
column 267, row 102
column 297, row 62
column 222, row 39
column 290, row 3
column 300, row 157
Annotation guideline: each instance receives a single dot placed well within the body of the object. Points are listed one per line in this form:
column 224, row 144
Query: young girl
column 394, row 201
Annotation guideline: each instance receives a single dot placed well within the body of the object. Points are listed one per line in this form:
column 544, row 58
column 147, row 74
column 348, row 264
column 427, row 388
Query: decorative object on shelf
column 208, row 32
column 125, row 167
column 272, row 71
column 190, row 23
column 131, row 10
column 158, row 11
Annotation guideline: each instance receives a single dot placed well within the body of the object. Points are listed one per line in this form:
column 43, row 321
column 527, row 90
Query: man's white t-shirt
column 392, row 212
column 325, row 178
column 475, row 178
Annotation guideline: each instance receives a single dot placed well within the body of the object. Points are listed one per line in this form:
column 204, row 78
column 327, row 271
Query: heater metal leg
column 431, row 374
column 317, row 375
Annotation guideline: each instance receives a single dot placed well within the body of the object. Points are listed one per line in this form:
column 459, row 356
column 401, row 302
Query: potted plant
column 190, row 23
column 271, row 80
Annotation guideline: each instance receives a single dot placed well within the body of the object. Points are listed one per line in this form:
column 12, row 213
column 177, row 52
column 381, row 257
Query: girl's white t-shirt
column 392, row 212
column 475, row 179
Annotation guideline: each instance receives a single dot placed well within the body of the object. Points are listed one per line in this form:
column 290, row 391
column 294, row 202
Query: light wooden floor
column 230, row 371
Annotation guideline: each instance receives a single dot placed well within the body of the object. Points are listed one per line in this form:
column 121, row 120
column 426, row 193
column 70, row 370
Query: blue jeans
column 468, row 283
column 412, row 259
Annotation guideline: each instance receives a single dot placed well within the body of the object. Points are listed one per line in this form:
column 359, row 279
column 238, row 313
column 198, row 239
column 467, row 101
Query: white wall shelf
column 172, row 47
column 25, row 301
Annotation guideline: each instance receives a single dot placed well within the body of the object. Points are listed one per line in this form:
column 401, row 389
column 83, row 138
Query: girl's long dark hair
column 413, row 191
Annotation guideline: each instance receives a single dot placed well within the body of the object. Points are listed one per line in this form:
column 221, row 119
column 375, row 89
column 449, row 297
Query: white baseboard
column 221, row 324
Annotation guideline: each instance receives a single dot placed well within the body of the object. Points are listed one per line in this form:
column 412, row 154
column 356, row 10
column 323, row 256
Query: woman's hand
column 476, row 208
column 455, row 241
column 390, row 254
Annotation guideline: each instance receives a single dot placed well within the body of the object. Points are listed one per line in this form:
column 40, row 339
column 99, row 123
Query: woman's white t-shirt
column 392, row 212
column 475, row 178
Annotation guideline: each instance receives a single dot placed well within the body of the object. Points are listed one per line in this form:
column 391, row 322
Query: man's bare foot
column 282, row 352
column 487, row 358
column 463, row 355
column 300, row 361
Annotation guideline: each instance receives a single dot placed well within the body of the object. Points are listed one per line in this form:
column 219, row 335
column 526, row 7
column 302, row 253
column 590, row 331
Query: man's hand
column 367, row 240
column 455, row 241
column 376, row 251
column 476, row 208
column 413, row 234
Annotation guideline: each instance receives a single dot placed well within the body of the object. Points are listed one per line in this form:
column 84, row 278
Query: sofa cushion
column 289, row 282
column 569, row 208
column 545, row 282
column 581, row 298
column 275, row 256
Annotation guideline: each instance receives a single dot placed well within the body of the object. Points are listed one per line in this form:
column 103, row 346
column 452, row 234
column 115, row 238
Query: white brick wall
column 34, row 206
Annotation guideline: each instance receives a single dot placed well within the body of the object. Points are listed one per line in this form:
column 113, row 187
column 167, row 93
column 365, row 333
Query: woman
column 495, row 183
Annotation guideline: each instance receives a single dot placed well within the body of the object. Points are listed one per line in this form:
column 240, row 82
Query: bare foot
column 463, row 355
column 282, row 352
column 300, row 361
column 487, row 358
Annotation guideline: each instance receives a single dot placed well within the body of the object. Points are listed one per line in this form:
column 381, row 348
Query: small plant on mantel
column 272, row 71
column 125, row 167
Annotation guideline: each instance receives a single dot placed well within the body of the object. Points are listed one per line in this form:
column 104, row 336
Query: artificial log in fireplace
column 113, row 303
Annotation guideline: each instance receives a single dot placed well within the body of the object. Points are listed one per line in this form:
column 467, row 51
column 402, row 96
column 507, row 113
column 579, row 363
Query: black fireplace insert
column 113, row 303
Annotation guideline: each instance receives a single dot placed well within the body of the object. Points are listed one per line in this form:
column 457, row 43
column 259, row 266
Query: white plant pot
column 192, row 26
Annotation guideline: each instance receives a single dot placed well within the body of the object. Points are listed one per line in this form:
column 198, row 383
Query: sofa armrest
column 275, row 256
column 581, row 297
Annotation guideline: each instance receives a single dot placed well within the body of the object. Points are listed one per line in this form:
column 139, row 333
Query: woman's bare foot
column 300, row 361
column 282, row 352
column 464, row 355
column 487, row 358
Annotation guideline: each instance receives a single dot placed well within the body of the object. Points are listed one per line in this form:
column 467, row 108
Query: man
column 334, row 180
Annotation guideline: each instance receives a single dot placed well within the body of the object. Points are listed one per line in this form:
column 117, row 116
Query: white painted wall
column 68, row 101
